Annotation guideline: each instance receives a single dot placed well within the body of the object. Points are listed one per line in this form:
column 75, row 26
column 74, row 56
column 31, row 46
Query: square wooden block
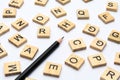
column 74, row 61
column 11, row 68
column 19, row 24
column 114, row 36
column 16, row 3
column 117, row 58
column 110, row 74
column 98, row 44
column 106, row 17
column 63, row 2
column 52, row 69
column 9, row 12
column 91, row 29
column 29, row 52
column 58, row 12
column 3, row 52
column 87, row 0
column 77, row 44
column 66, row 25
column 97, row 60
column 41, row 19
column 82, row 14
column 3, row 29
column 41, row 2
column 112, row 6
column 30, row 79
column 17, row 40
column 43, row 32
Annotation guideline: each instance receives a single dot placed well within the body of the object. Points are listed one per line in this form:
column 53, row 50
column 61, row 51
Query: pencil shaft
column 38, row 61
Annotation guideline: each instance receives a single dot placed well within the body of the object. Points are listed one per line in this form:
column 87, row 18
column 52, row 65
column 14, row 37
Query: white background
column 29, row 10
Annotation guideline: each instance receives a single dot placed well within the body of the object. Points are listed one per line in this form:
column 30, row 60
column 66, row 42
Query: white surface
column 29, row 10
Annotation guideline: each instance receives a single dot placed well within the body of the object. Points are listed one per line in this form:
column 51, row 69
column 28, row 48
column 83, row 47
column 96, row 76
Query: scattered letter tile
column 114, row 36
column 106, row 17
column 74, row 61
column 3, row 52
column 17, row 40
column 97, row 60
column 19, row 24
column 66, row 25
column 117, row 58
column 63, row 2
column 83, row 14
column 11, row 68
column 9, row 12
column 52, row 69
column 40, row 19
column 16, row 3
column 112, row 6
column 91, row 29
column 77, row 44
column 110, row 74
column 98, row 44
column 3, row 28
column 58, row 12
column 41, row 2
column 29, row 52
column 43, row 32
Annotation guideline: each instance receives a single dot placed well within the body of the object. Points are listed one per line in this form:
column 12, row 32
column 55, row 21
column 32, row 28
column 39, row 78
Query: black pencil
column 39, row 60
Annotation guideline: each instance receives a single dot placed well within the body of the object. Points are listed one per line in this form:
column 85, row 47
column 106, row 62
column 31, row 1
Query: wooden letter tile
column 29, row 52
column 74, row 61
column 16, row 3
column 17, row 40
column 91, row 29
column 114, row 36
column 40, row 19
column 41, row 2
column 19, row 24
column 58, row 12
column 77, row 44
column 112, row 6
column 87, row 0
column 3, row 28
column 11, row 68
column 52, row 69
column 106, row 17
column 98, row 44
column 110, row 74
column 66, row 25
column 117, row 58
column 9, row 12
column 97, row 60
column 3, row 52
column 43, row 32
column 29, row 79
column 83, row 14
column 63, row 2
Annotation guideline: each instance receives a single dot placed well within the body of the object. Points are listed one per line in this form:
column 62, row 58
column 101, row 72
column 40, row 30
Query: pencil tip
column 62, row 37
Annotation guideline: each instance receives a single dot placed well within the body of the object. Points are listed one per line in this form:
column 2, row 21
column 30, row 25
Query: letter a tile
column 52, row 69
column 29, row 52
column 17, row 40
column 11, row 68
column 110, row 74
column 74, row 61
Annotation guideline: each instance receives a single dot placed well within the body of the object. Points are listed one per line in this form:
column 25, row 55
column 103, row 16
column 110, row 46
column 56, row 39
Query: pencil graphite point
column 60, row 40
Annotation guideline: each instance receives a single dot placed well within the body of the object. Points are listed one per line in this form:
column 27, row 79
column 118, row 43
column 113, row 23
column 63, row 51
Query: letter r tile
column 74, row 61
column 52, row 69
column 110, row 74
